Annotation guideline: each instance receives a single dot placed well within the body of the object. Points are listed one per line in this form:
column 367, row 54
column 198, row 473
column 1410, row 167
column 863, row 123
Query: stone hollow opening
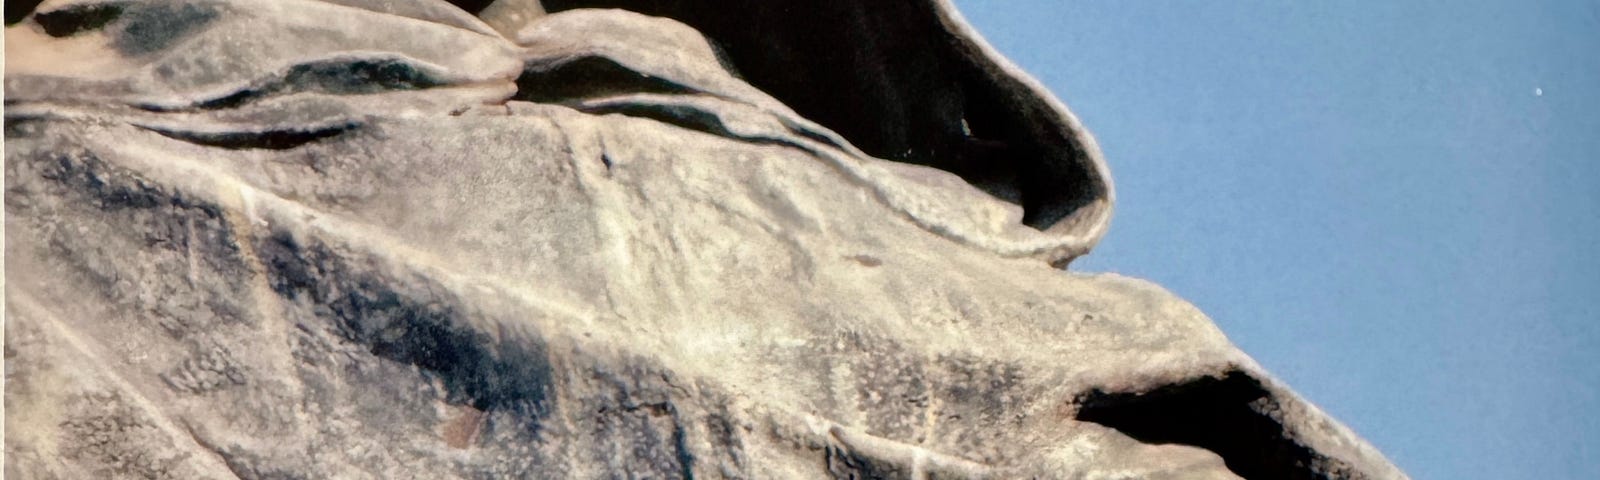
column 1222, row 414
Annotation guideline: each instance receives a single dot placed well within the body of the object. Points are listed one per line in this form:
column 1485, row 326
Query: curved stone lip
column 1082, row 228
column 1068, row 238
column 925, row 65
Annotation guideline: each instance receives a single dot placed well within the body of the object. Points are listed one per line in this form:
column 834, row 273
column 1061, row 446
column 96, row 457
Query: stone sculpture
column 585, row 239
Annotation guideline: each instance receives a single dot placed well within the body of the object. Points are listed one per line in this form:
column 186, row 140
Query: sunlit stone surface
column 786, row 239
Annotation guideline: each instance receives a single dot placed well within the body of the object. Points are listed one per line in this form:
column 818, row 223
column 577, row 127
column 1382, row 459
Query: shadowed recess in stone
column 337, row 77
column 472, row 6
column 886, row 77
column 260, row 140
column 587, row 77
column 685, row 116
column 422, row 329
column 76, row 19
column 844, row 464
column 1223, row 415
column 19, row 9
column 135, row 28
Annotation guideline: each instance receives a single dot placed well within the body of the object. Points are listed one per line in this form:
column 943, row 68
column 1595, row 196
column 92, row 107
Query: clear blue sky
column 1394, row 206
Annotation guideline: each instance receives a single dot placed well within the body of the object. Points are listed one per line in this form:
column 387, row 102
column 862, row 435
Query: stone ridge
column 390, row 239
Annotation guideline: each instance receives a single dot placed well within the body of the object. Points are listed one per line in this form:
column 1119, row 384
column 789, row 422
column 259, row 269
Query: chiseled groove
column 254, row 140
column 921, row 462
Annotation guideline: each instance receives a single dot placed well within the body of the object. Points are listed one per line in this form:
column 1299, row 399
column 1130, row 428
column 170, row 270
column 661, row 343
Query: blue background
column 1392, row 206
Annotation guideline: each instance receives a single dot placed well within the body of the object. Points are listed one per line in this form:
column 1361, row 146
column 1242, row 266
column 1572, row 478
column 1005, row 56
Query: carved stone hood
column 904, row 81
column 911, row 81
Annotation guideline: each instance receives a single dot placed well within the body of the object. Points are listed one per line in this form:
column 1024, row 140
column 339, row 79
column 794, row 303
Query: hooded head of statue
column 903, row 82
column 908, row 81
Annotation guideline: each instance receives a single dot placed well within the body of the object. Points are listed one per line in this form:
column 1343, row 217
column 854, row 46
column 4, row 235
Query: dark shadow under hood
column 910, row 81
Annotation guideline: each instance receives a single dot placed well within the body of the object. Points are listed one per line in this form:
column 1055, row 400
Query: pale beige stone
column 382, row 240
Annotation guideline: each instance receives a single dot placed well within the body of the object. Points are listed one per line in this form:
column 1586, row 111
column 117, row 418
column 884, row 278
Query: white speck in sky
column 1538, row 92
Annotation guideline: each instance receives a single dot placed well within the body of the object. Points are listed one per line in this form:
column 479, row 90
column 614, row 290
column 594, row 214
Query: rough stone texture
column 368, row 239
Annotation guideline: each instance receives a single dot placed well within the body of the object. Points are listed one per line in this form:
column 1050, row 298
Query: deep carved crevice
column 1221, row 414
column 337, row 77
column 74, row 20
column 471, row 6
column 262, row 140
column 16, row 10
column 588, row 77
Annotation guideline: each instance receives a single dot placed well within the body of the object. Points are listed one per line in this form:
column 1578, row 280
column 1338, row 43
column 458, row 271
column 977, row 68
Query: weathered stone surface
column 363, row 239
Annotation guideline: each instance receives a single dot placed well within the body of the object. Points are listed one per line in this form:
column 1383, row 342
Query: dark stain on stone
column 412, row 322
column 866, row 260
column 843, row 464
column 980, row 387
column 115, row 189
column 153, row 27
column 638, row 416
column 725, row 437
column 680, row 447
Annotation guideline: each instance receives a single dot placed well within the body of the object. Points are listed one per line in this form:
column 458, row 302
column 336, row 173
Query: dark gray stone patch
column 417, row 324
column 187, row 254
column 152, row 27
column 105, row 432
column 636, row 412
